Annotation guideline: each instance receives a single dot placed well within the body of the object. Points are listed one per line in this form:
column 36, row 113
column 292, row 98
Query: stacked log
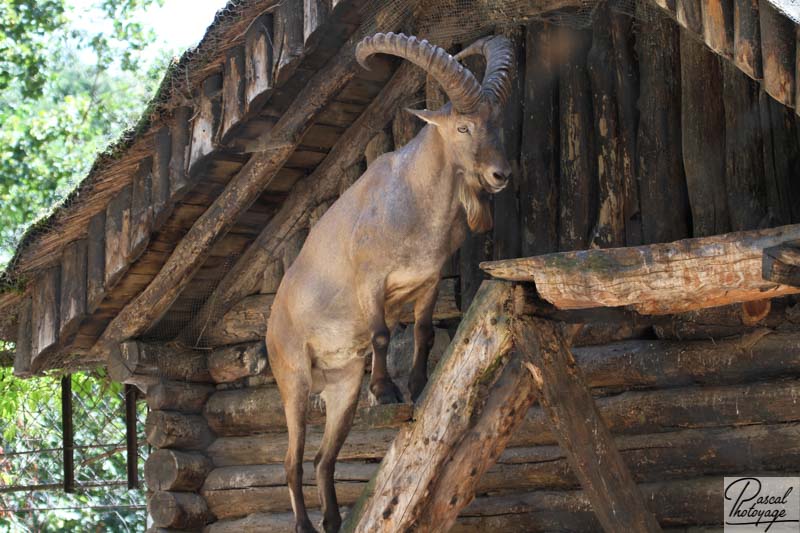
column 178, row 465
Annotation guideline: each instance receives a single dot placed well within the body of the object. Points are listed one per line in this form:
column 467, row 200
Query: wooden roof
column 215, row 106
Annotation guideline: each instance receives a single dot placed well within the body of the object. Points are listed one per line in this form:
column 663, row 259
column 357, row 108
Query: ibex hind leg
column 294, row 382
column 341, row 399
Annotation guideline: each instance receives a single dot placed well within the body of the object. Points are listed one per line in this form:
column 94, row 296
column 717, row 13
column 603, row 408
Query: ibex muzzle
column 382, row 244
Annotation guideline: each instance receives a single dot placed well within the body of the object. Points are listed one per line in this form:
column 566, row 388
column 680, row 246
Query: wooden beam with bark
column 659, row 278
column 581, row 432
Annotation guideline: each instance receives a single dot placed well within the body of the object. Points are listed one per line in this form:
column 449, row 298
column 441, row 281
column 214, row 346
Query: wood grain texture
column 655, row 279
column 703, row 137
column 141, row 208
column 258, row 63
column 23, row 344
column 117, row 238
column 778, row 48
column 747, row 38
column 206, row 123
column 231, row 363
column 176, row 470
column 690, row 15
column 162, row 150
column 581, row 432
column 45, row 315
column 169, row 429
column 180, row 145
column 73, row 288
column 96, row 261
column 180, row 510
column 181, row 396
column 233, row 93
column 718, row 26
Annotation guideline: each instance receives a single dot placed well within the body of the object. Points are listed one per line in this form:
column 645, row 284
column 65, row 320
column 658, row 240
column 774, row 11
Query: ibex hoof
column 384, row 391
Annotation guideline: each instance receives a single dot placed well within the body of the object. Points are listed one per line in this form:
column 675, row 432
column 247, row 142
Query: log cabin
column 639, row 340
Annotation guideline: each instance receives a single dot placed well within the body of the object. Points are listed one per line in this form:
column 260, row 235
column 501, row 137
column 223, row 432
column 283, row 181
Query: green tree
column 65, row 94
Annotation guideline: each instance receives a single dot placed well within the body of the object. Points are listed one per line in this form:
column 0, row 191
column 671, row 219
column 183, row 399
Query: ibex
column 382, row 244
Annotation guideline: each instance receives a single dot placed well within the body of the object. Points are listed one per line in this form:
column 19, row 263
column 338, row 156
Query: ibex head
column 470, row 125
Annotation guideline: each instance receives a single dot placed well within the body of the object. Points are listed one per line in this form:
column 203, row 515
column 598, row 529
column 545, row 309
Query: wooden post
column 22, row 354
column 206, row 124
column 718, row 26
column 117, row 237
column 540, row 145
column 68, row 432
column 703, row 137
column 45, row 315
column 233, row 94
column 96, row 262
column 73, row 288
column 131, row 437
column 778, row 47
column 690, row 16
column 141, row 209
column 782, row 264
column 747, row 37
column 662, row 184
column 580, row 430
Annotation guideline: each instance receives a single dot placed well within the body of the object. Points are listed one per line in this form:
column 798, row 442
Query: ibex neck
column 430, row 170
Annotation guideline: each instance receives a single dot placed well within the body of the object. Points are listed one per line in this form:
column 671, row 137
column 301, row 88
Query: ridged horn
column 499, row 54
column 457, row 81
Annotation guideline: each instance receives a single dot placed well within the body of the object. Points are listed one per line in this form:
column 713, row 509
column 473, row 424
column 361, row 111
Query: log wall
column 603, row 158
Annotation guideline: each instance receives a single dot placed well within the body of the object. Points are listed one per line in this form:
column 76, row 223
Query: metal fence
column 64, row 448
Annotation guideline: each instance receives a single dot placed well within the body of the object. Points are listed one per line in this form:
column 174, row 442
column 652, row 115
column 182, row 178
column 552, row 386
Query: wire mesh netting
column 32, row 456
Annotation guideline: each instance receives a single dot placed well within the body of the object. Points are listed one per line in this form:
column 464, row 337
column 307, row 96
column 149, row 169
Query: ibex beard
column 382, row 244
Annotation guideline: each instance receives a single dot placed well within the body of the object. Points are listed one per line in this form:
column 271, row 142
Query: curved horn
column 456, row 80
column 499, row 56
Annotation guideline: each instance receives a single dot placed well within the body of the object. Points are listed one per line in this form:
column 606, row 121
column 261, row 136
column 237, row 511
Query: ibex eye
column 463, row 129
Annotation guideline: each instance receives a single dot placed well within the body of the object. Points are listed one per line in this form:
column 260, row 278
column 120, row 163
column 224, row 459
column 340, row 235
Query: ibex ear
column 431, row 117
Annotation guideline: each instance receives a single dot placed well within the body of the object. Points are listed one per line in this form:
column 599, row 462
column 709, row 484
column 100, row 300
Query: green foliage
column 30, row 442
column 65, row 94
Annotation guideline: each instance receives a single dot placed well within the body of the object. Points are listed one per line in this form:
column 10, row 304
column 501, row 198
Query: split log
column 778, row 47
column 315, row 13
column 703, row 137
column 747, row 38
column 73, row 288
column 718, row 26
column 682, row 408
column 656, row 457
column 324, row 182
column 576, row 422
column 782, row 264
column 576, row 183
column 288, row 40
column 206, row 123
column 689, row 14
column 744, row 158
column 139, row 363
column 178, row 396
column 181, row 510
column 422, row 448
column 141, row 209
column 662, row 185
column 238, row 361
column 627, row 90
column 609, row 230
column 506, row 238
column 240, row 192
column 117, row 239
column 233, row 97
column 168, row 429
column 45, row 315
column 656, row 279
column 180, row 146
column 175, row 470
column 781, row 161
column 271, row 447
column 22, row 346
column 95, row 262
column 258, row 59
column 538, row 158
column 245, row 322
column 162, row 150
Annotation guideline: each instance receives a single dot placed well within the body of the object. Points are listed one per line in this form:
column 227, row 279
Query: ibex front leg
column 423, row 338
column 381, row 386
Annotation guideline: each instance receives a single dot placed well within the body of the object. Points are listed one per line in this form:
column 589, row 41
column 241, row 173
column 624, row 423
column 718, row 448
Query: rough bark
column 179, row 396
column 238, row 361
column 181, row 510
column 176, row 470
column 170, row 429
column 656, row 279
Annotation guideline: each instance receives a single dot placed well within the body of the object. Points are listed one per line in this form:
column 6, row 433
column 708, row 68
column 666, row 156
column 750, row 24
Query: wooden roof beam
column 656, row 279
